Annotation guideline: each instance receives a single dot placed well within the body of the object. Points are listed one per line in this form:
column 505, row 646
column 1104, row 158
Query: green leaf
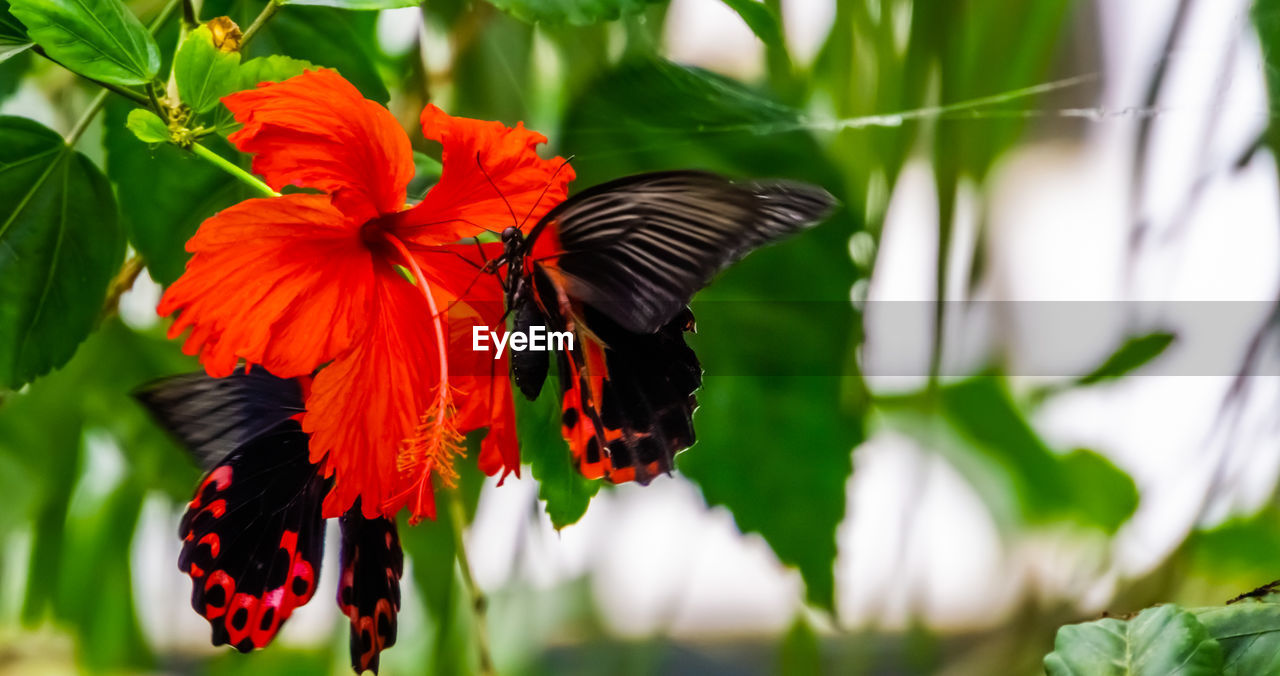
column 1266, row 17
column 13, row 36
column 165, row 193
column 801, row 651
column 331, row 38
column 355, row 4
column 504, row 46
column 760, row 19
column 777, row 421
column 1237, row 553
column 205, row 73
column 12, row 72
column 1104, row 494
column 1131, row 356
column 1045, row 483
column 1249, row 633
column 99, row 39
column 274, row 68
column 576, row 12
column 985, row 436
column 1159, row 641
column 147, row 126
column 561, row 487
column 426, row 173
column 60, row 245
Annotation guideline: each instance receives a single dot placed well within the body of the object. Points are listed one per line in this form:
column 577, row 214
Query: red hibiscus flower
column 321, row 279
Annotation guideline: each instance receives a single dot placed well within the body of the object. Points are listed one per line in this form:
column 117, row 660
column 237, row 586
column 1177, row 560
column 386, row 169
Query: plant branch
column 233, row 169
column 87, row 116
column 263, row 17
column 123, row 282
column 190, row 21
column 457, row 514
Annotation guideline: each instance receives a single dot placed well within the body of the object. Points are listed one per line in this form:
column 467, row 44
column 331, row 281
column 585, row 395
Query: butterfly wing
column 627, row 405
column 617, row 265
column 369, row 588
column 214, row 416
column 253, row 535
column 638, row 248
column 627, row 399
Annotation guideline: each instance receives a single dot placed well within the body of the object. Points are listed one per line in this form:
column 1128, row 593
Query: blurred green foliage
column 774, row 450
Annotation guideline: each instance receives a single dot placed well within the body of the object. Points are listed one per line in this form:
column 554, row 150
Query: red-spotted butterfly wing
column 253, row 535
column 369, row 587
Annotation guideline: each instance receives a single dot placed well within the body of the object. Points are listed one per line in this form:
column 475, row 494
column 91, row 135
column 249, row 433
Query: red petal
column 315, row 130
column 519, row 186
column 484, row 386
column 284, row 282
column 366, row 403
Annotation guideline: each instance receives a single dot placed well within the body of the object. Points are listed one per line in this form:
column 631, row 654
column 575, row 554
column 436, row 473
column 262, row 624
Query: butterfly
column 253, row 534
column 616, row 266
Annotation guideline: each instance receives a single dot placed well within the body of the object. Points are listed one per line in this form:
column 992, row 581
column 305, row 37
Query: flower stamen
column 437, row 440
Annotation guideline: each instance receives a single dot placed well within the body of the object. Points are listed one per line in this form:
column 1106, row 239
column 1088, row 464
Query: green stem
column 457, row 514
column 263, row 17
column 163, row 16
column 123, row 282
column 231, row 168
column 189, row 19
column 85, row 118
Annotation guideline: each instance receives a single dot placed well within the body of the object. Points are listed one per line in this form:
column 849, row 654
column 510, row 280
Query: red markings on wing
column 369, row 586
column 244, row 587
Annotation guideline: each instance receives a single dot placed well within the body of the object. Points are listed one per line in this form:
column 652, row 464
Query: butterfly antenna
column 495, row 188
column 464, row 259
column 463, row 296
column 464, row 221
column 544, row 191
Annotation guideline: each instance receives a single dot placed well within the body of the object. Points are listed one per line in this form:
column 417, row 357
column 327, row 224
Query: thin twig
column 263, row 17
column 87, row 117
column 457, row 515
column 123, row 282
column 1141, row 151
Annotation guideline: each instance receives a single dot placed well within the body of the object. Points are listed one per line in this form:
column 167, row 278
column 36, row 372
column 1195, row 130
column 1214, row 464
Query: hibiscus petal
column 284, row 282
column 492, row 179
column 366, row 403
column 484, row 386
column 315, row 130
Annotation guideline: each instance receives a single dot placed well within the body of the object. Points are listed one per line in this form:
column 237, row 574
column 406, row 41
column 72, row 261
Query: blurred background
column 883, row 483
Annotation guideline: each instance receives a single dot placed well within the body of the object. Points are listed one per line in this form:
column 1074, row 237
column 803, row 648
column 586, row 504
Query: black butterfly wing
column 627, row 399
column 638, row 248
column 253, row 534
column 214, row 416
column 369, row 588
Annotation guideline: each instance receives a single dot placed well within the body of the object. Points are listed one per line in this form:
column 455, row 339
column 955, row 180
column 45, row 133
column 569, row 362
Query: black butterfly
column 616, row 265
column 253, row 534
